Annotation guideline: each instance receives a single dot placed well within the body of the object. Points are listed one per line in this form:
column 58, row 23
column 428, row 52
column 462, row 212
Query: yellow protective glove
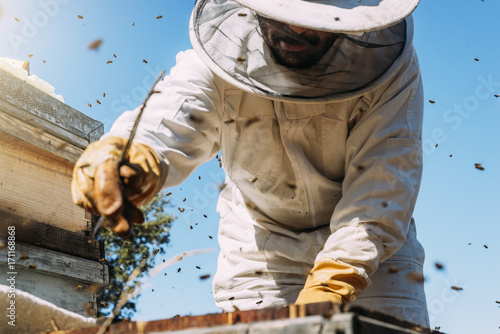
column 331, row 281
column 102, row 186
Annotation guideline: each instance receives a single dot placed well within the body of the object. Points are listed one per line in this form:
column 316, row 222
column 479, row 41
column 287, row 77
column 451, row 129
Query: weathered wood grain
column 51, row 237
column 36, row 184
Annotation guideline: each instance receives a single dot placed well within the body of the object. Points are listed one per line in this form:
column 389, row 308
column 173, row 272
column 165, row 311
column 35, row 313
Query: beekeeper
column 317, row 109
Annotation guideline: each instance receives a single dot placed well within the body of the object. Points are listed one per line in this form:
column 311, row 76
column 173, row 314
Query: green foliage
column 125, row 255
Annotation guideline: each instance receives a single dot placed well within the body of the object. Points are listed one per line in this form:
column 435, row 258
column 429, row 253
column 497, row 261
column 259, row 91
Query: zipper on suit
column 288, row 129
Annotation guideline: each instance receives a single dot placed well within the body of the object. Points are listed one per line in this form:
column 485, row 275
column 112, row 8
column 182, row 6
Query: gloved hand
column 331, row 281
column 103, row 187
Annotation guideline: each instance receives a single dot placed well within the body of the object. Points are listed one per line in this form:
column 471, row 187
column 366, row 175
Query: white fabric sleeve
column 382, row 178
column 181, row 122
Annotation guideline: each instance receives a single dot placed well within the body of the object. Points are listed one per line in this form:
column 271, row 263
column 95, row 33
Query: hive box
column 40, row 140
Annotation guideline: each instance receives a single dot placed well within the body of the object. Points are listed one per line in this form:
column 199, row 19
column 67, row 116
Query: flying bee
column 456, row 288
column 478, row 166
column 432, row 101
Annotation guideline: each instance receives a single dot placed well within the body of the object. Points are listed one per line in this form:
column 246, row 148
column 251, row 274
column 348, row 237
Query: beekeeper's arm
column 383, row 172
column 177, row 132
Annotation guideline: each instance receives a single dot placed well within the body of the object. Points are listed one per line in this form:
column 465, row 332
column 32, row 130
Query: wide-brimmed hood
column 227, row 37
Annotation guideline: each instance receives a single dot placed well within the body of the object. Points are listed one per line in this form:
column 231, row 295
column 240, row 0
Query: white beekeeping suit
column 323, row 163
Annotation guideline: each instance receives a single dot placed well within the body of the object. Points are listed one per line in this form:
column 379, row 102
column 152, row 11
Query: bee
column 15, row 18
column 144, row 61
column 190, row 227
column 478, row 166
column 485, row 246
column 44, row 61
column 438, row 265
column 416, row 277
column 232, row 298
column 384, row 204
column 195, row 119
column 103, row 94
column 179, row 270
column 242, row 14
column 80, row 17
column 360, row 167
column 94, row 45
column 204, row 277
column 240, row 59
column 159, row 17
column 250, row 205
column 32, row 266
column 78, row 287
column 168, row 194
column 436, row 146
column 198, row 267
column 98, row 102
column 205, row 216
column 393, row 270
column 30, row 55
column 251, row 120
column 229, row 121
column 291, row 184
column 456, row 288
column 133, row 24
column 496, row 95
column 210, row 237
column 432, row 101
column 156, row 251
column 184, row 200
column 23, row 257
column 476, row 59
column 89, row 308
column 259, row 273
column 253, row 180
column 114, row 55
column 259, row 302
column 109, row 62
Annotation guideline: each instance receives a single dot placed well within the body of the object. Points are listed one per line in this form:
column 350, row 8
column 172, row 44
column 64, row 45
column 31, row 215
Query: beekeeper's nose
column 298, row 30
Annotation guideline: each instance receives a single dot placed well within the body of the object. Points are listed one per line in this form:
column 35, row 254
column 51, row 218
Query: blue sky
column 456, row 213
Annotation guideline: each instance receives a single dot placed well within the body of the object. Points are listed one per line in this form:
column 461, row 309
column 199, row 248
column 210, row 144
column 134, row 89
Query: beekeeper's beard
column 306, row 48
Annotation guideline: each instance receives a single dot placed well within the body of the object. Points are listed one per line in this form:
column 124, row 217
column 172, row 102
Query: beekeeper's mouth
column 295, row 49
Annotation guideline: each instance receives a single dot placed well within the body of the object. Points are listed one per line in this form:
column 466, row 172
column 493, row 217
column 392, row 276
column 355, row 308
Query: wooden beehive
column 41, row 139
column 317, row 318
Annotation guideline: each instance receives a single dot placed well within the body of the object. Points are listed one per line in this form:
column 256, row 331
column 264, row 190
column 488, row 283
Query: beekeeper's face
column 295, row 46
